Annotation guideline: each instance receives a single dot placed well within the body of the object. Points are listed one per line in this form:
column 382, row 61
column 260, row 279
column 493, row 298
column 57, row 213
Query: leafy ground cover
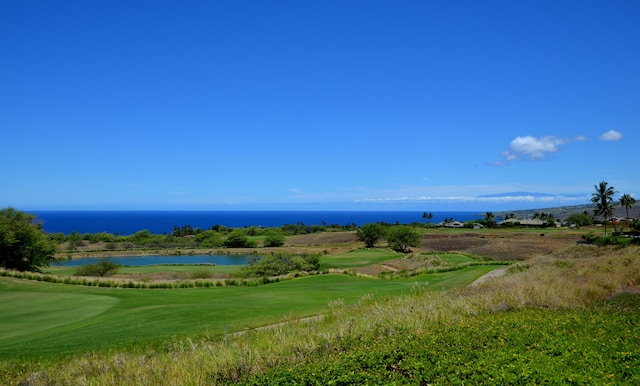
column 522, row 347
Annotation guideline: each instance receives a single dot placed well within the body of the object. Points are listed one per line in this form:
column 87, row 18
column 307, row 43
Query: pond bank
column 74, row 255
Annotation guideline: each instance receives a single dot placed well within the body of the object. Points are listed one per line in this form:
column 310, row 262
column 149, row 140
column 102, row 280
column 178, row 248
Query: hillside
column 563, row 212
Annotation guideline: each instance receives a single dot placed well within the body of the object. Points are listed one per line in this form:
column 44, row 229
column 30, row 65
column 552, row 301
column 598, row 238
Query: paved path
column 489, row 275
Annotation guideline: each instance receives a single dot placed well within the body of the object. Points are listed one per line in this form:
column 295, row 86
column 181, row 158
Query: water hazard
column 138, row 261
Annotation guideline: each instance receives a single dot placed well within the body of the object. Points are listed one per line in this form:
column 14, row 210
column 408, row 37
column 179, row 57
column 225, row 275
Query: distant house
column 477, row 226
column 451, row 224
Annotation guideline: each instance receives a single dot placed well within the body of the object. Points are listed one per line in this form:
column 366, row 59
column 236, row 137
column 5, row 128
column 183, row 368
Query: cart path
column 490, row 275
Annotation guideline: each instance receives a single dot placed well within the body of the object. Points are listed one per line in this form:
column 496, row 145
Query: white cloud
column 523, row 198
column 533, row 148
column 611, row 135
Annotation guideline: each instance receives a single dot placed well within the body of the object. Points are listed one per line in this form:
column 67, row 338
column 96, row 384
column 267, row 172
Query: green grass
column 27, row 312
column 108, row 318
column 519, row 347
column 358, row 258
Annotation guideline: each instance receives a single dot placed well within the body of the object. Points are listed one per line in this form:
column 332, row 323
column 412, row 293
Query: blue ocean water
column 158, row 222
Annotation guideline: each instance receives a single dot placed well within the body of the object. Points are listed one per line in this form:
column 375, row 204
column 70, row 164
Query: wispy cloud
column 534, row 148
column 502, row 199
column 611, row 135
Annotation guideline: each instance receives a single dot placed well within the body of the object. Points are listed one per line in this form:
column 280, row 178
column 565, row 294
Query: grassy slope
column 96, row 318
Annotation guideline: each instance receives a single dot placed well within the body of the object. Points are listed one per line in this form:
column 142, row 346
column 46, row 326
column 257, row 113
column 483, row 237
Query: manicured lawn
column 25, row 312
column 88, row 318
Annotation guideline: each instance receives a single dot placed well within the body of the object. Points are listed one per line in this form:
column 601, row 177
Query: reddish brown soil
column 500, row 245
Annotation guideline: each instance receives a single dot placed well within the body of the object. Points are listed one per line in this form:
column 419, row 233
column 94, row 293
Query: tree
column 603, row 199
column 279, row 263
column 102, row 268
column 579, row 219
column 274, row 238
column 401, row 237
column 490, row 219
column 23, row 244
column 626, row 201
column 370, row 233
column 427, row 216
column 238, row 239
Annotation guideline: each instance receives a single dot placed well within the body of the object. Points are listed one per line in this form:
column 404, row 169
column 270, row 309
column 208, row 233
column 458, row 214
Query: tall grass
column 572, row 279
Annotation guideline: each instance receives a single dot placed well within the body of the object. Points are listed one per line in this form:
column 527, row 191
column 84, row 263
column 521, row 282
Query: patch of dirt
column 372, row 270
column 499, row 246
column 333, row 242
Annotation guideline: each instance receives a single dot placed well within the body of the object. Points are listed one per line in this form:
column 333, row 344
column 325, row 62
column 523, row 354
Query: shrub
column 102, row 268
column 201, row 275
column 274, row 238
column 279, row 263
column 238, row 239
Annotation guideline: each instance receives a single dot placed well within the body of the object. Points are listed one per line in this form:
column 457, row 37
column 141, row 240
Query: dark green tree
column 23, row 244
column 627, row 202
column 603, row 199
column 274, row 238
column 239, row 239
column 490, row 218
column 401, row 237
column 370, row 233
column 427, row 216
column 102, row 268
column 579, row 219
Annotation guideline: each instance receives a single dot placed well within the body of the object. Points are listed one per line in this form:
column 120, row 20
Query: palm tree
column 603, row 198
column 489, row 217
column 427, row 216
column 626, row 201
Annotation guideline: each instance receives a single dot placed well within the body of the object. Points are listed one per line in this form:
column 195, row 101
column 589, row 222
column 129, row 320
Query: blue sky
column 322, row 105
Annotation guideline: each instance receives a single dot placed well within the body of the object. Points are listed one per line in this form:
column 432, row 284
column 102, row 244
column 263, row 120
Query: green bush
column 102, row 268
column 238, row 239
column 274, row 238
column 201, row 275
column 279, row 263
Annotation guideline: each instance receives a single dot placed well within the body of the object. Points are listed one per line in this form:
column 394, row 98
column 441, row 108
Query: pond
column 137, row 261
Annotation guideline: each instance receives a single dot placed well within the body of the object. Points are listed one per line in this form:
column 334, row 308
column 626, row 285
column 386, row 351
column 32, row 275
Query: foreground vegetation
column 303, row 315
column 571, row 317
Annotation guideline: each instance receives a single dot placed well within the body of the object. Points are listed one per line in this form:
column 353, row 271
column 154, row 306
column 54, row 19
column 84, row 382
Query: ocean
column 159, row 222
